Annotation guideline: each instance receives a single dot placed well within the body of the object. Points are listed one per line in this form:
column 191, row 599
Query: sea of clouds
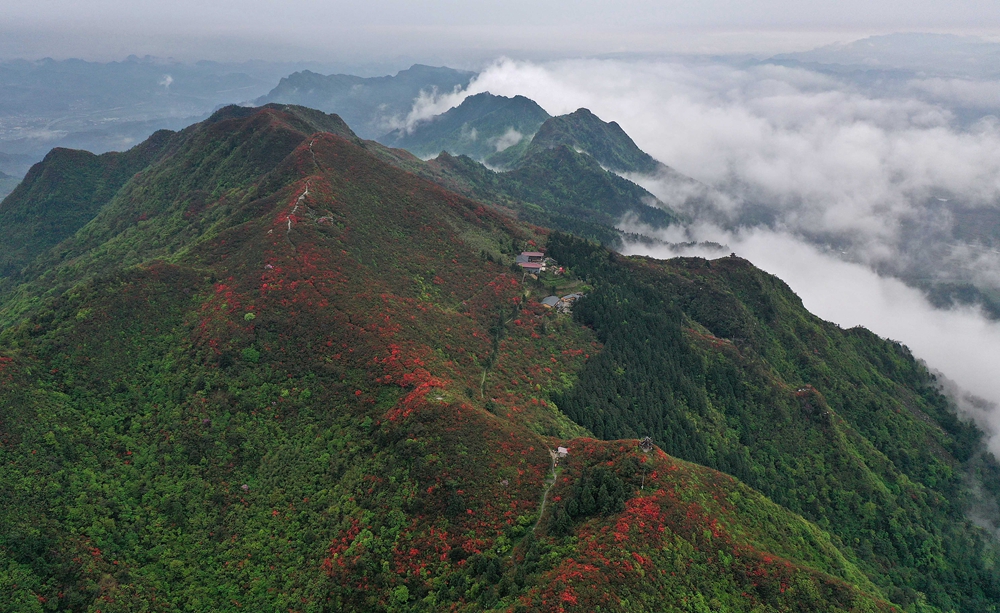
column 838, row 182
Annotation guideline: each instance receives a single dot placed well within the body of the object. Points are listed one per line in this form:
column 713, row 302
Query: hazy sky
column 458, row 29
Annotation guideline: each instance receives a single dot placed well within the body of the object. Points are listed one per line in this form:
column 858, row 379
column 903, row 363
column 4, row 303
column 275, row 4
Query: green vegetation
column 564, row 182
column 607, row 143
column 309, row 380
column 721, row 365
column 157, row 213
column 62, row 194
column 557, row 179
column 556, row 188
column 493, row 129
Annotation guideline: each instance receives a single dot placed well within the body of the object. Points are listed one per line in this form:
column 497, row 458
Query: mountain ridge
column 335, row 372
column 605, row 142
column 368, row 104
column 489, row 128
column 535, row 172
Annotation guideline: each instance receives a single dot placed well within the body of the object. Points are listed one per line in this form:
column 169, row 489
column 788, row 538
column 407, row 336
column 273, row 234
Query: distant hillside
column 370, row 104
column 112, row 106
column 549, row 179
column 557, row 188
column 575, row 184
column 60, row 195
column 7, row 184
column 924, row 53
column 482, row 127
column 605, row 142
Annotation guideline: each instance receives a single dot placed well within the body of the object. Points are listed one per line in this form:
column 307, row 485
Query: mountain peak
column 484, row 126
column 606, row 142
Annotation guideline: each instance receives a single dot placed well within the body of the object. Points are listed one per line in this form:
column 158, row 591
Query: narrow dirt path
column 296, row 207
column 313, row 154
column 545, row 495
column 300, row 201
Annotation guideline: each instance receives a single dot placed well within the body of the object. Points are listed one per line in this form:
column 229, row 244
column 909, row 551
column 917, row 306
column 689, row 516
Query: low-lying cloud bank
column 960, row 342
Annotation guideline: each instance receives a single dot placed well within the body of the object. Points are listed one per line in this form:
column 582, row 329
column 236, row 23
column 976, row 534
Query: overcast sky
column 458, row 29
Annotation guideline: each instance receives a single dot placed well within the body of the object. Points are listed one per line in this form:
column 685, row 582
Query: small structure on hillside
column 565, row 304
column 550, row 302
column 531, row 261
column 562, row 452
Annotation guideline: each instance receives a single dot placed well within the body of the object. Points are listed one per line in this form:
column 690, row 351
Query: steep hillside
column 557, row 188
column 60, row 195
column 607, row 143
column 721, row 365
column 567, row 176
column 106, row 216
column 484, row 127
column 275, row 372
column 368, row 104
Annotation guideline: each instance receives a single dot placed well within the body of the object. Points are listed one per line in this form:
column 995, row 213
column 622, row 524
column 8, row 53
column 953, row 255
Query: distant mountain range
column 925, row 53
column 121, row 103
column 113, row 106
column 565, row 173
column 371, row 105
column 502, row 131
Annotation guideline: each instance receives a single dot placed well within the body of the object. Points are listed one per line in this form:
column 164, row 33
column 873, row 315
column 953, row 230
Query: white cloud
column 965, row 92
column 508, row 139
column 428, row 104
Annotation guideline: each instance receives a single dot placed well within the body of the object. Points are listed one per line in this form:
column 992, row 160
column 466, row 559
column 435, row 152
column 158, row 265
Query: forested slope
column 485, row 127
column 309, row 380
column 556, row 188
column 606, row 142
column 721, row 365
column 60, row 195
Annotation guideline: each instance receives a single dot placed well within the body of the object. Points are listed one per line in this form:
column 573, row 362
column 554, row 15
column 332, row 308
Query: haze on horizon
column 394, row 32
